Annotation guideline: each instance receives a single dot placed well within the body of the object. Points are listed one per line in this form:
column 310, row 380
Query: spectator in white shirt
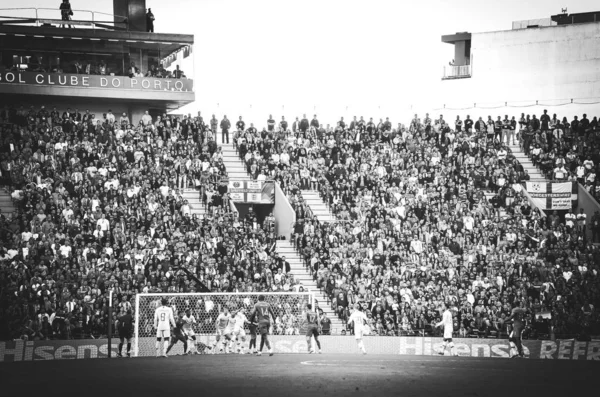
column 103, row 223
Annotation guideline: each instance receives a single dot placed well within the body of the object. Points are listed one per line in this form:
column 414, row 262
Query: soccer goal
column 287, row 307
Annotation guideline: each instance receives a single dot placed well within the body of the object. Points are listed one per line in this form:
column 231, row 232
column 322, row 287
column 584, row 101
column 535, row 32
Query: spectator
column 150, row 21
column 66, row 13
column 225, row 126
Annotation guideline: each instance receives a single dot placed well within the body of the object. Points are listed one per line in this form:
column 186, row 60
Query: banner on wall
column 414, row 346
column 552, row 195
column 96, row 81
column 252, row 192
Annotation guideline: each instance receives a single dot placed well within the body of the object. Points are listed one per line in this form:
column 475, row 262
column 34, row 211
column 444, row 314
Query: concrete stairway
column 236, row 169
column 195, row 200
column 6, row 203
column 520, row 155
column 317, row 206
column 285, row 248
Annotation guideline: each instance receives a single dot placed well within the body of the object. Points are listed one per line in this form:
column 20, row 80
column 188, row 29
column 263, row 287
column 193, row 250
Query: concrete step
column 238, row 175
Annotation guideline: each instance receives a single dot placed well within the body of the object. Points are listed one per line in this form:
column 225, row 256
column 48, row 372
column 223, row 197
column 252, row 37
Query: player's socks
column 165, row 346
column 128, row 349
column 120, row 349
column 157, row 349
column 262, row 344
column 319, row 345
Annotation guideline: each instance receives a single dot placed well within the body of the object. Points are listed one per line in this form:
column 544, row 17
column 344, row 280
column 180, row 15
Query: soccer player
column 314, row 323
column 239, row 334
column 252, row 346
column 163, row 320
column 188, row 329
column 359, row 319
column 517, row 316
column 178, row 334
column 222, row 329
column 263, row 313
column 448, row 325
column 125, row 328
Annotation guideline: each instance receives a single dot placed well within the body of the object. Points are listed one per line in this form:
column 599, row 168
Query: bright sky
column 333, row 57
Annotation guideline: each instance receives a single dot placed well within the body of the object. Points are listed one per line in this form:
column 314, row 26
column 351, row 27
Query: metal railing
column 457, row 72
column 543, row 22
column 53, row 14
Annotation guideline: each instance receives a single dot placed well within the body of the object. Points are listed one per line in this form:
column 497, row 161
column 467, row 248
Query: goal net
column 287, row 307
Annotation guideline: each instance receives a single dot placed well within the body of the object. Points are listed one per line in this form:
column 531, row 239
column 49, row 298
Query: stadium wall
column 284, row 214
column 589, row 205
column 494, row 348
column 550, row 65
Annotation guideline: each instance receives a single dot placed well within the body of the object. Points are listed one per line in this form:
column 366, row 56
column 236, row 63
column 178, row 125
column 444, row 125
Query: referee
column 125, row 328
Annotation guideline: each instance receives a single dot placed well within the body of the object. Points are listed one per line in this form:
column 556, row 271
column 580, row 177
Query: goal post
column 205, row 307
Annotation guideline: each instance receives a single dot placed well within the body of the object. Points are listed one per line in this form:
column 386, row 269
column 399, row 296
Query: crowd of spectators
column 102, row 68
column 99, row 205
column 564, row 150
column 414, row 228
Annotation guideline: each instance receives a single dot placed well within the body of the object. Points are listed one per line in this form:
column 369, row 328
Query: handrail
column 56, row 10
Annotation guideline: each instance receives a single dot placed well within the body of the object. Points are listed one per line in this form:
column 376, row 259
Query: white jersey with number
column 164, row 319
column 223, row 320
column 188, row 324
column 447, row 323
column 359, row 319
column 231, row 323
column 239, row 321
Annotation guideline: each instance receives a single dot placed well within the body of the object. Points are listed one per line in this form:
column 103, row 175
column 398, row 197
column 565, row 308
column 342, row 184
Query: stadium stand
column 415, row 228
column 102, row 203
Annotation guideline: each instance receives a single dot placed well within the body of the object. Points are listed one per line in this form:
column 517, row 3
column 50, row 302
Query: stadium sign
column 54, row 350
column 95, row 81
column 289, row 344
column 255, row 192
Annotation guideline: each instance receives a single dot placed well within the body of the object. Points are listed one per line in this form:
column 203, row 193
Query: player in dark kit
column 252, row 345
column 517, row 316
column 125, row 328
column 263, row 313
column 178, row 334
column 313, row 323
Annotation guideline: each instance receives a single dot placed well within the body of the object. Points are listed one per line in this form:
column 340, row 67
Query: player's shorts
column 189, row 332
column 163, row 333
column 224, row 331
column 516, row 333
column 263, row 327
column 125, row 334
column 312, row 330
column 252, row 328
column 448, row 335
column 359, row 332
column 179, row 336
column 238, row 331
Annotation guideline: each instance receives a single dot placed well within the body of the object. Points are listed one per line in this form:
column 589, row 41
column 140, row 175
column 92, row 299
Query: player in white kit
column 448, row 324
column 222, row 329
column 188, row 330
column 163, row 321
column 239, row 334
column 359, row 319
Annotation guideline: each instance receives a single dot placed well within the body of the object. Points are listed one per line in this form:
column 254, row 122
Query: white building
column 541, row 64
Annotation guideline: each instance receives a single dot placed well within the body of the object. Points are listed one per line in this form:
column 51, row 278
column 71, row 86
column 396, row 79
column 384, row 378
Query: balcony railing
column 30, row 16
column 457, row 72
